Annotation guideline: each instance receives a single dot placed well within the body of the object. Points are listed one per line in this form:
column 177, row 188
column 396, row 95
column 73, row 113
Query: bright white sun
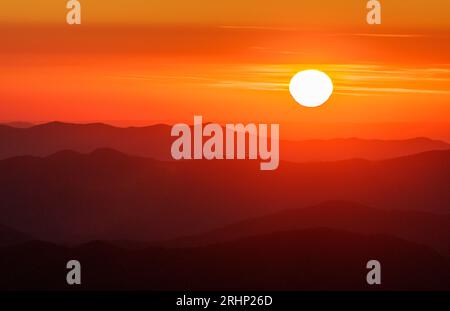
column 311, row 88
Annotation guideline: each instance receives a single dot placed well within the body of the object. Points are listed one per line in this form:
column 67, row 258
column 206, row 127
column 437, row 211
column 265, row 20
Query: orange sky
column 396, row 13
column 164, row 61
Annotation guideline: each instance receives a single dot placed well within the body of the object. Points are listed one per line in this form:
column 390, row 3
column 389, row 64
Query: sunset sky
column 138, row 62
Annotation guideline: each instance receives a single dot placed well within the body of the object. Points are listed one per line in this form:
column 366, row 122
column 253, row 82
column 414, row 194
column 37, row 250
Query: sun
column 311, row 88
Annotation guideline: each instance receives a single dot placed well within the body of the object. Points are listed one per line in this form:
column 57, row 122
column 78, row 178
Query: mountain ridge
column 314, row 259
column 109, row 195
column 426, row 228
column 155, row 141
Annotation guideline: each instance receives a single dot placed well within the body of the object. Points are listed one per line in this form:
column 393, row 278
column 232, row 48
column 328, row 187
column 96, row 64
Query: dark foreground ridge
column 314, row 259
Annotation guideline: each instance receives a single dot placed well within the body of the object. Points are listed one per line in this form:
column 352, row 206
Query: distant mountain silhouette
column 314, row 259
column 425, row 228
column 107, row 195
column 46, row 139
column 352, row 148
column 155, row 141
column 19, row 124
column 10, row 236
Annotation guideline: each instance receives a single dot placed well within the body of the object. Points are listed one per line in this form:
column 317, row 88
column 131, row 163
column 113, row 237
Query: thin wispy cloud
column 255, row 27
column 348, row 79
column 331, row 34
column 247, row 85
column 392, row 90
column 380, row 35
column 160, row 78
